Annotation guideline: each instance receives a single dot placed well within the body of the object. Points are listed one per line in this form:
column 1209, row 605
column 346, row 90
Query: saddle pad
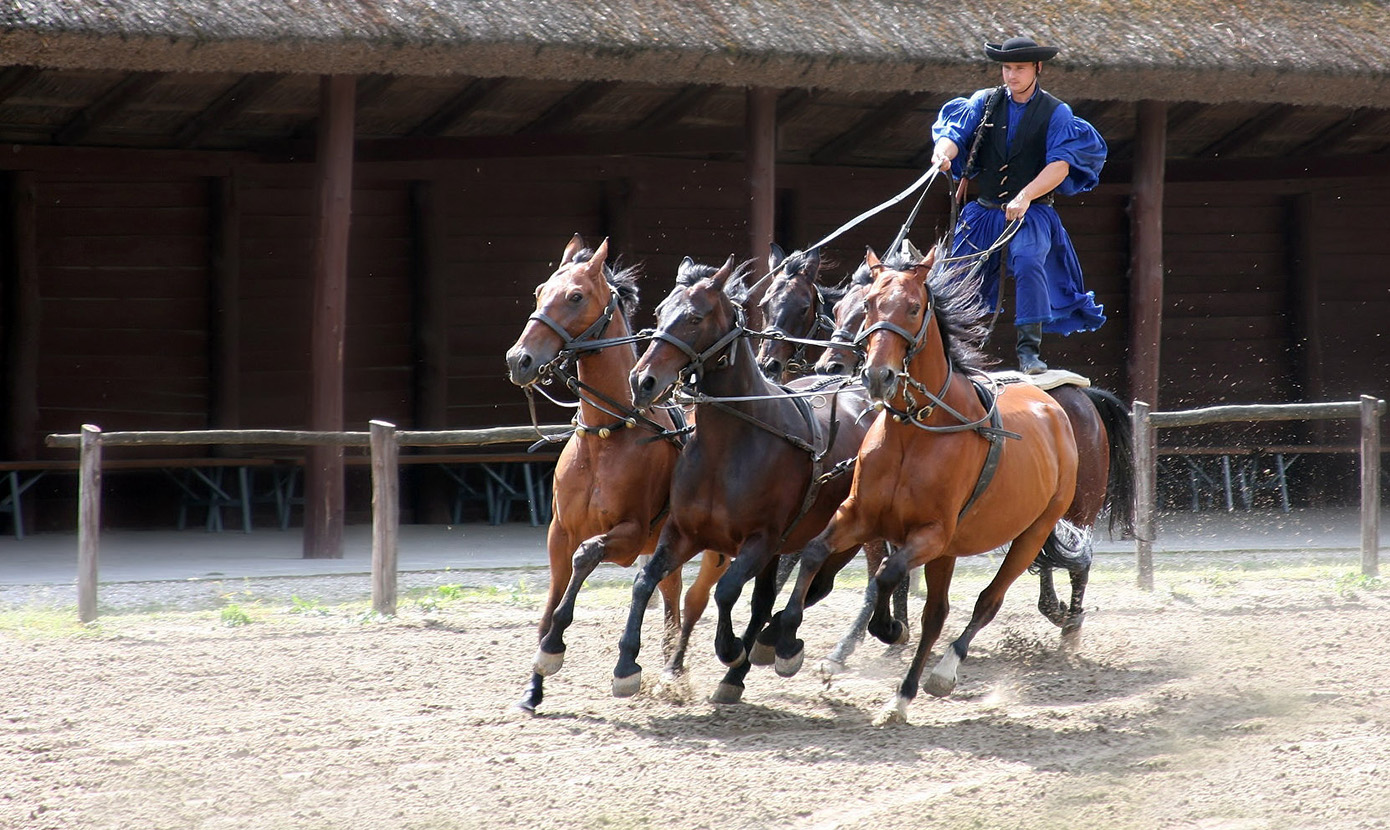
column 1051, row 379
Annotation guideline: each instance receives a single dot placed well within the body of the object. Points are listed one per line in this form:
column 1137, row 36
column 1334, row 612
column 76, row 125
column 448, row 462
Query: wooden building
column 173, row 170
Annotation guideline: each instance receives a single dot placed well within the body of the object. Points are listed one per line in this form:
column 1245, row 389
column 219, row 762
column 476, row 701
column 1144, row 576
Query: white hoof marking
column 726, row 693
column 942, row 679
column 547, row 664
column 894, row 711
column 627, row 686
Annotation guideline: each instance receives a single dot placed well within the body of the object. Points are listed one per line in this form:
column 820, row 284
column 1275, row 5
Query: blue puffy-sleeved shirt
column 1069, row 138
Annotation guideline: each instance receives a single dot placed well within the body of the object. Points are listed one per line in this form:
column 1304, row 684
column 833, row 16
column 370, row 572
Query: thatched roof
column 1296, row 51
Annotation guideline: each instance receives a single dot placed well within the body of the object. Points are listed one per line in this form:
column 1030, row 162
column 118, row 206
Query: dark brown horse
column 1101, row 425
column 757, row 476
column 793, row 308
column 612, row 477
column 948, row 469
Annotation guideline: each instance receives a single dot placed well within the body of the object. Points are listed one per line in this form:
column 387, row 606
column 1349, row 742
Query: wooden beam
column 454, row 110
column 429, row 312
column 1268, row 119
column 230, row 104
column 323, row 472
column 793, row 102
column 1261, row 169
column 670, row 112
column 370, row 88
column 569, row 108
column 1335, row 137
column 617, row 214
column 15, row 78
column 760, row 123
column 891, row 112
column 21, row 306
column 625, row 143
column 1146, row 253
column 123, row 92
column 224, row 312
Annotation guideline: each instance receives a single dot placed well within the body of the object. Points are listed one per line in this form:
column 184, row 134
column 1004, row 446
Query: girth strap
column 995, row 434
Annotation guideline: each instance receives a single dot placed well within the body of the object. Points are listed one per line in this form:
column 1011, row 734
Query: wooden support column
column 430, row 342
column 761, row 129
column 21, row 306
column 224, row 313
column 618, row 215
column 323, row 479
column 1303, row 306
column 1146, row 253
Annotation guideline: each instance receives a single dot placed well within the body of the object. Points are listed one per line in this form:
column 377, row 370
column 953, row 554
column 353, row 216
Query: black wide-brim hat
column 1019, row 50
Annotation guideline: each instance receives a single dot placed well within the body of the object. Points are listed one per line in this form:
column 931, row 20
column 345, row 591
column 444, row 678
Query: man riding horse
column 1024, row 145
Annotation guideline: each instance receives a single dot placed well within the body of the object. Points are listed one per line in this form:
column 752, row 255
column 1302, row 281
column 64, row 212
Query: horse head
column 574, row 305
column 841, row 355
column 790, row 307
column 696, row 328
column 898, row 311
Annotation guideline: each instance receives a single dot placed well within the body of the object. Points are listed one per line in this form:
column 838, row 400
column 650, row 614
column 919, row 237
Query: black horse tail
column 1119, row 490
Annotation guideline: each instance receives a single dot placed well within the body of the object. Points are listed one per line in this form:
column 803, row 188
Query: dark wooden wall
column 129, row 312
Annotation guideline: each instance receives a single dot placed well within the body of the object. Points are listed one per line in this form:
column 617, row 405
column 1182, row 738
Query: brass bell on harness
column 604, row 432
column 579, row 432
column 631, row 423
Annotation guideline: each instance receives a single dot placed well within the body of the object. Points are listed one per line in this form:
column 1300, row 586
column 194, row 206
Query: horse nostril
column 524, row 362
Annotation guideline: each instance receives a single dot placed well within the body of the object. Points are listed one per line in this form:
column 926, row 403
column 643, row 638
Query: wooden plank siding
column 125, row 275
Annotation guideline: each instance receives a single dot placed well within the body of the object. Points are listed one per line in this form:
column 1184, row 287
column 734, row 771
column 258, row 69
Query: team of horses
column 719, row 439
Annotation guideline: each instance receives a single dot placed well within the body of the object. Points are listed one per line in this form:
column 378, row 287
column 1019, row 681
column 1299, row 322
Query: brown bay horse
column 1100, row 423
column 613, row 475
column 946, row 470
column 756, row 478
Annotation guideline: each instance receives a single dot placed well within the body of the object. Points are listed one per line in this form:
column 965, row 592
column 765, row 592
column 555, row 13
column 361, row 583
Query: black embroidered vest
column 1003, row 168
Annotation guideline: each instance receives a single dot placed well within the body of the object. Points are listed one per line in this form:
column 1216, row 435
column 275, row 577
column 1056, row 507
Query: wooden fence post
column 88, row 522
column 1370, row 485
column 386, row 516
column 1145, row 485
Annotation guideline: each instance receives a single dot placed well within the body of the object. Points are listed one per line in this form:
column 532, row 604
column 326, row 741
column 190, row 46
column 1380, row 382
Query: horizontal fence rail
column 1146, row 423
column 383, row 438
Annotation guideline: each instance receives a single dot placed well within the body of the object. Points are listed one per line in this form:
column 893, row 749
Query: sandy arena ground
column 1232, row 697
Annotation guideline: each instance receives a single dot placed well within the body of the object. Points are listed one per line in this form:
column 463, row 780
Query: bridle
column 797, row 361
column 913, row 413
column 696, row 367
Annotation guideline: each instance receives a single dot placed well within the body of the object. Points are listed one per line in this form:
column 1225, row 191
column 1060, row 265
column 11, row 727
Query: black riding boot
column 1029, row 345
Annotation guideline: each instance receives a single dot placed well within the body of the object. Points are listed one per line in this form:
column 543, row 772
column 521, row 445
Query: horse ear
column 600, row 256
column 929, row 261
column 722, row 275
column 683, row 270
column 871, row 259
column 571, row 250
column 812, row 266
column 775, row 256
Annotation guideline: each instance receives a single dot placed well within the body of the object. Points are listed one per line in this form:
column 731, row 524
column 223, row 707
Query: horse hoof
column 737, row 660
column 789, row 666
column 830, row 667
column 1071, row 639
column 627, row 686
column 939, row 685
column 904, row 632
column 547, row 664
column 762, row 654
column 727, row 693
column 524, row 707
column 894, row 711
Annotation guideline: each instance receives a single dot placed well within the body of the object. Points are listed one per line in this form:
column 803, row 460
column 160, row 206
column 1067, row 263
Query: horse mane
column 622, row 279
column 961, row 311
column 735, row 283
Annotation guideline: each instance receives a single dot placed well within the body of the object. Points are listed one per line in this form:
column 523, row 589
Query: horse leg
column 671, row 553
column 813, row 559
column 1021, row 553
column 937, row 576
column 819, row 589
column 753, row 557
column 611, row 545
column 558, row 548
column 1076, row 614
column 1048, row 604
column 712, row 566
column 891, row 574
column 834, row 663
column 730, row 689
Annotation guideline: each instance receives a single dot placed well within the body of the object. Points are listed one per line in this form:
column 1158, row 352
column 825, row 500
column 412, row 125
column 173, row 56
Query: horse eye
column 914, row 309
column 576, row 298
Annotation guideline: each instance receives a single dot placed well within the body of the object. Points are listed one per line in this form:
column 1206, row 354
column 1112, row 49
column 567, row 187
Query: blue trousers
column 1047, row 275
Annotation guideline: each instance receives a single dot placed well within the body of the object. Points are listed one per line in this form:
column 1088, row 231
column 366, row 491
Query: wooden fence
column 383, row 439
column 1146, row 423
